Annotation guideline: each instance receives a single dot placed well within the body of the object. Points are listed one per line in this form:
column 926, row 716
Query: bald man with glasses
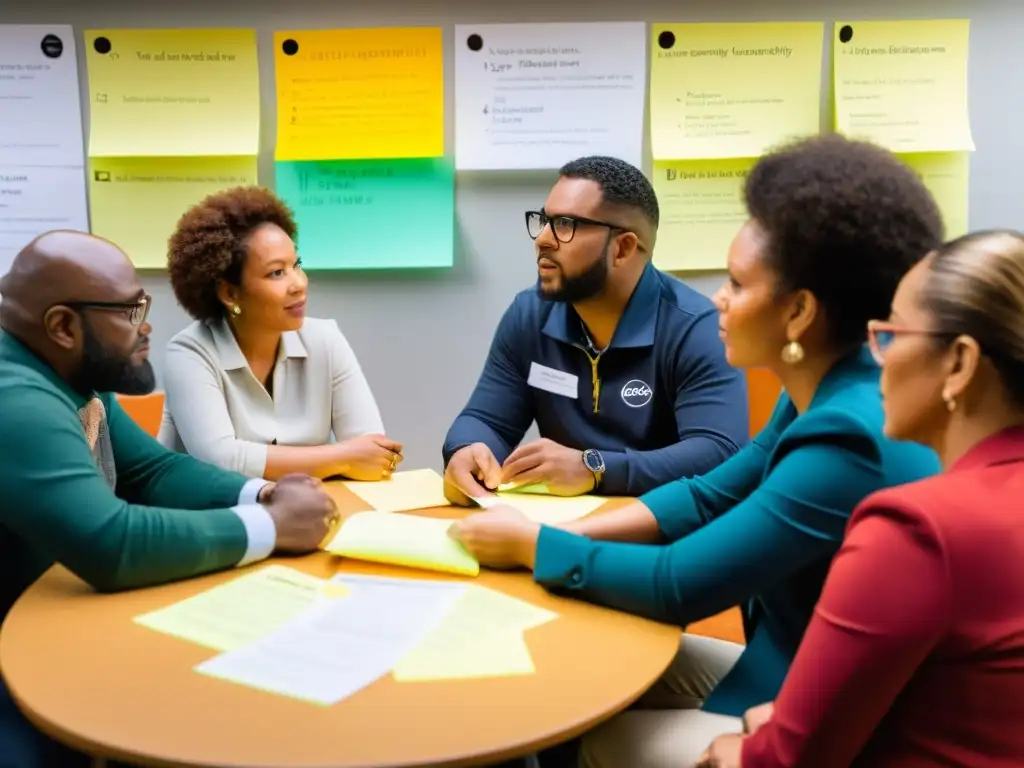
column 81, row 484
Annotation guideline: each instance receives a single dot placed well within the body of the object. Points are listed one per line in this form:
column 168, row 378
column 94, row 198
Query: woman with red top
column 915, row 654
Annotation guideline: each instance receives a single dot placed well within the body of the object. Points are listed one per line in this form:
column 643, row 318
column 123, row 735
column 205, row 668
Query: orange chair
column 147, row 410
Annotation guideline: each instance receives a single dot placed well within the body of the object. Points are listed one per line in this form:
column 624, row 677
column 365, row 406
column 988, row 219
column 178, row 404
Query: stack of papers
column 402, row 492
column 291, row 634
column 399, row 539
column 424, row 488
column 482, row 636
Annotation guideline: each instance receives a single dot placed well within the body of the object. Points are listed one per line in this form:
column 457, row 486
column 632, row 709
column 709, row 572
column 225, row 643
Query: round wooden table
column 85, row 674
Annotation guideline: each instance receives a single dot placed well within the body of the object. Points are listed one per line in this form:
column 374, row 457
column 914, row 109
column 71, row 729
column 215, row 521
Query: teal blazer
column 758, row 531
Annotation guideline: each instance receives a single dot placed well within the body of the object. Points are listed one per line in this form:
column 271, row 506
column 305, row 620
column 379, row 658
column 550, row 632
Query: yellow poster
column 355, row 94
column 136, row 202
column 946, row 174
column 733, row 90
column 161, row 92
column 701, row 211
column 903, row 84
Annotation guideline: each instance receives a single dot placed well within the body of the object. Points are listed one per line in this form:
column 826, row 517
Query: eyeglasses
column 137, row 311
column 882, row 334
column 563, row 227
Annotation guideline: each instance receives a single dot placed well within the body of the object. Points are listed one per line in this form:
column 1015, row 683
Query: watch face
column 593, row 460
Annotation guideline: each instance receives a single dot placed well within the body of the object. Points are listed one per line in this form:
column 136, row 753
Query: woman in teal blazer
column 834, row 225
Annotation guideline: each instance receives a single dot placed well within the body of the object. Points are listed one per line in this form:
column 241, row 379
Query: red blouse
column 915, row 654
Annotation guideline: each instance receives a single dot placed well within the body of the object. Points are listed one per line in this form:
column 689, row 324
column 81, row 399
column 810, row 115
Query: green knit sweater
column 168, row 517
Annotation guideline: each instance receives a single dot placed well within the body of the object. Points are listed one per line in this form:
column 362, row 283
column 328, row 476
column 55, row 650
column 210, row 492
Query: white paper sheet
column 533, row 96
column 42, row 156
column 39, row 98
column 35, row 200
column 340, row 645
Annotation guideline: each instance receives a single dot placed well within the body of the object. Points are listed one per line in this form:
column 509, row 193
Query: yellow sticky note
column 158, row 92
column 482, row 636
column 733, row 90
column 946, row 174
column 136, row 202
column 354, row 94
column 528, row 488
column 403, row 491
column 702, row 209
column 903, row 84
column 551, row 510
column 399, row 539
column 239, row 612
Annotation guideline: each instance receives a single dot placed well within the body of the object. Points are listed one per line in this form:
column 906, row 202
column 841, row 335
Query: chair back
column 146, row 410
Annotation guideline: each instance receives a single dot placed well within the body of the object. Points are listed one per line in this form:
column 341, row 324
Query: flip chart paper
column 531, row 96
column 400, row 539
column 903, row 84
column 372, row 214
column 42, row 123
column 337, row 647
column 403, row 491
column 946, row 174
column 239, row 612
column 733, row 90
column 42, row 176
column 161, row 92
column 482, row 636
column 136, row 202
column 37, row 199
column 701, row 211
column 359, row 93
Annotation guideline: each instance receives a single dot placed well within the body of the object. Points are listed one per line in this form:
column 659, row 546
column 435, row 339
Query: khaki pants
column 665, row 728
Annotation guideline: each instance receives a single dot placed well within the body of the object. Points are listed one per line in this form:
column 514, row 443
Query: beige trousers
column 665, row 728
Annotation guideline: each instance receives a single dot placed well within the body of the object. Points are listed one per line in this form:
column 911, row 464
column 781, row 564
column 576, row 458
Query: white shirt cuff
column 251, row 490
column 259, row 530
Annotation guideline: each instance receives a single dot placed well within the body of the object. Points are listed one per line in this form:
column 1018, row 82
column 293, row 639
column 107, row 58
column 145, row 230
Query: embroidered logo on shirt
column 636, row 393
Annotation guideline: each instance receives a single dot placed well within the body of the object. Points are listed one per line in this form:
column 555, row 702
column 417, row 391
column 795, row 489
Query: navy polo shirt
column 660, row 402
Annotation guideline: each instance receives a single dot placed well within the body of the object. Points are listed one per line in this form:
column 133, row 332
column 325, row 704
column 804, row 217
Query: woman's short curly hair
column 845, row 220
column 209, row 244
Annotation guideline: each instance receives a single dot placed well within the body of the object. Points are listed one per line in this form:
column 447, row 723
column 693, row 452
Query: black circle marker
column 290, row 47
column 474, row 42
column 52, row 46
column 845, row 33
column 101, row 45
column 666, row 39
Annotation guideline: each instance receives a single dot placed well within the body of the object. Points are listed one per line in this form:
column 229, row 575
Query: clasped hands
column 503, row 537
column 305, row 516
column 473, row 471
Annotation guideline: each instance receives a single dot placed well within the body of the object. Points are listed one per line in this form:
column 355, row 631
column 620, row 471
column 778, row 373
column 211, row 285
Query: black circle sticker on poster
column 474, row 42
column 101, row 45
column 666, row 40
column 52, row 46
column 290, row 47
column 845, row 33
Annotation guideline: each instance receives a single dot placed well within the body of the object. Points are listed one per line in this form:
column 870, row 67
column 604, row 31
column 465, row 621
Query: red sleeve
column 884, row 605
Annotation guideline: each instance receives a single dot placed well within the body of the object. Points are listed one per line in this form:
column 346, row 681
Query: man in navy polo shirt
column 620, row 365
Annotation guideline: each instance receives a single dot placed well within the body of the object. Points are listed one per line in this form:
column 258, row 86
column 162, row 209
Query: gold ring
column 394, row 462
column 331, row 521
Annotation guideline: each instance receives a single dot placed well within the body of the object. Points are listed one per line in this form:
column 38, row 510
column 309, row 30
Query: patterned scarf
column 94, row 421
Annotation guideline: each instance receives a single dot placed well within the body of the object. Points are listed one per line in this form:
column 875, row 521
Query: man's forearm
column 468, row 429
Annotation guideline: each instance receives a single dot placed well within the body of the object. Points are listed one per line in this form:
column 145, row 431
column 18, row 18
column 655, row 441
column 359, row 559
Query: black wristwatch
column 594, row 461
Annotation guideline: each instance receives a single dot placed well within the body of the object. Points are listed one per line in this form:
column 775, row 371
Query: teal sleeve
column 795, row 516
column 683, row 506
column 55, row 499
column 148, row 473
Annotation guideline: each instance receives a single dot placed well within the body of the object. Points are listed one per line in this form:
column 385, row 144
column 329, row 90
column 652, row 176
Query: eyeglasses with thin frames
column 881, row 334
column 137, row 311
column 563, row 227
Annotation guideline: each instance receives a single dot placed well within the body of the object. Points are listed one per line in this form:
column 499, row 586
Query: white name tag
column 554, row 381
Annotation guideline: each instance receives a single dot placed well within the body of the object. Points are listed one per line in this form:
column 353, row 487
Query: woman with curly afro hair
column 253, row 385
column 833, row 225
